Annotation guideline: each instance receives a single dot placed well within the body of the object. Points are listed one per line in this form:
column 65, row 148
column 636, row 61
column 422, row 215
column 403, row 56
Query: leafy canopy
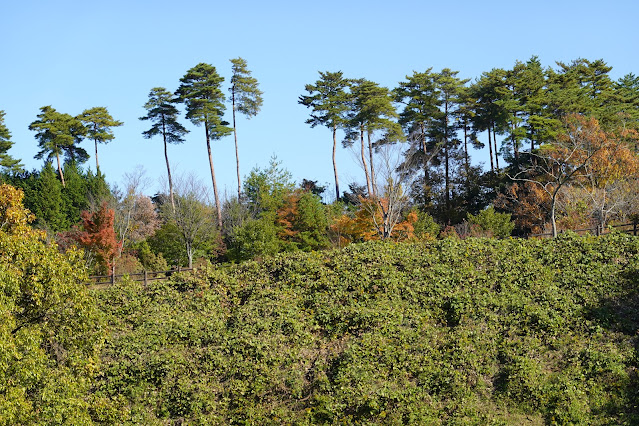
column 204, row 100
column 247, row 97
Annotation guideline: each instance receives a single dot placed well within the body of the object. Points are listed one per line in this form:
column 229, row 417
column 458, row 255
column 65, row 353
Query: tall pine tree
column 246, row 98
column 328, row 99
column 164, row 116
column 201, row 93
column 59, row 134
column 418, row 94
column 371, row 110
column 445, row 125
column 99, row 124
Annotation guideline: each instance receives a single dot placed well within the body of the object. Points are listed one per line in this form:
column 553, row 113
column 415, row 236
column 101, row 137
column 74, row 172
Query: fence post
column 145, row 279
column 634, row 228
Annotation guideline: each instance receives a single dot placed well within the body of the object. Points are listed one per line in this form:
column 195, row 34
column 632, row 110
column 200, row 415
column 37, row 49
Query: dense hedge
column 475, row 331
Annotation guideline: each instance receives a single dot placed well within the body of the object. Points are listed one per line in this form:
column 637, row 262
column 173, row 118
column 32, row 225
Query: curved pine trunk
column 168, row 167
column 57, row 156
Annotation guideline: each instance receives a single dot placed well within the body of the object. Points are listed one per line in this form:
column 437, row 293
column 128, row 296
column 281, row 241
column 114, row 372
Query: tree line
column 562, row 150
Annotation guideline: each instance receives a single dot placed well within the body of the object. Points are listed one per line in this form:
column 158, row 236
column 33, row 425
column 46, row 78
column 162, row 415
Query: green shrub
column 496, row 224
column 475, row 331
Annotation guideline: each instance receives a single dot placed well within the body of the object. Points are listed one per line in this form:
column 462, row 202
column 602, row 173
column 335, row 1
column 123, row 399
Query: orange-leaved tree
column 609, row 182
column 570, row 159
column 529, row 205
column 302, row 221
column 98, row 236
column 371, row 222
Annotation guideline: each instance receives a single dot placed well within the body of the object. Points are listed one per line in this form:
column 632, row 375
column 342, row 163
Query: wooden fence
column 628, row 228
column 147, row 276
column 144, row 277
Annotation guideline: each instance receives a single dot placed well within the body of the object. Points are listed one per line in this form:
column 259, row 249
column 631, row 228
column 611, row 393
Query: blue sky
column 75, row 55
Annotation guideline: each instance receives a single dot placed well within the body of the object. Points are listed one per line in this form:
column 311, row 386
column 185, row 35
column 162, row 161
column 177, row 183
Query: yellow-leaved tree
column 50, row 331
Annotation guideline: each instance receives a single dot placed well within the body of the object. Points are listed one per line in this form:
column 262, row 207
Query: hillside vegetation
column 474, row 331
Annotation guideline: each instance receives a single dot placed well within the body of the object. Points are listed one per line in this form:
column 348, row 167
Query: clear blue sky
column 74, row 55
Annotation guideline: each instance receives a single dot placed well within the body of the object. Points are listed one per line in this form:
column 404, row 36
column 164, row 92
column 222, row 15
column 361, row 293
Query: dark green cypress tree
column 48, row 205
column 74, row 194
column 97, row 188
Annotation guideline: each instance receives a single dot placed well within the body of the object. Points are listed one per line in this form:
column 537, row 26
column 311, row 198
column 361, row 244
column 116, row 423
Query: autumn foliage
column 529, row 204
column 14, row 218
column 368, row 223
column 98, row 236
column 583, row 178
column 301, row 221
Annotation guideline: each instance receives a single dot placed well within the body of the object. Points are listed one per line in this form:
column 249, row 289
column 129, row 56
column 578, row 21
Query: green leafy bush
column 474, row 331
column 497, row 225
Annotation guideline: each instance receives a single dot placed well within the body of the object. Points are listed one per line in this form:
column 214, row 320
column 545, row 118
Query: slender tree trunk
column 368, row 179
column 496, row 150
column 97, row 164
column 466, row 157
column 446, row 156
column 189, row 254
column 514, row 142
column 447, row 175
column 57, row 156
column 237, row 156
column 370, row 157
column 553, row 220
column 168, row 167
column 334, row 162
column 426, row 161
column 490, row 149
column 532, row 141
column 218, row 208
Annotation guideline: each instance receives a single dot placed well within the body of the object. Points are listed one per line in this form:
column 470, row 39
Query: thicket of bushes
column 474, row 331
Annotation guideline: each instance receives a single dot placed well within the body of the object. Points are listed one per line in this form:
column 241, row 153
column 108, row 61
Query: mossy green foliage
column 474, row 331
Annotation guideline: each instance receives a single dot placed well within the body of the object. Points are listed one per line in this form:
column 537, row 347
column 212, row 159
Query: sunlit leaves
column 49, row 329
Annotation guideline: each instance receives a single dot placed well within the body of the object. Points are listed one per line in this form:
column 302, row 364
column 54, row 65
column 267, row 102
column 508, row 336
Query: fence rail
column 628, row 228
column 144, row 277
column 147, row 276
